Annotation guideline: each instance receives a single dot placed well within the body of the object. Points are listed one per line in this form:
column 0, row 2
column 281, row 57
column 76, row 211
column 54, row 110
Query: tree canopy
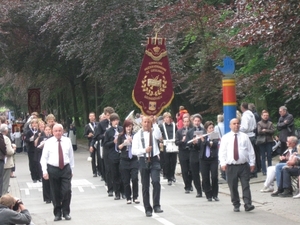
column 85, row 55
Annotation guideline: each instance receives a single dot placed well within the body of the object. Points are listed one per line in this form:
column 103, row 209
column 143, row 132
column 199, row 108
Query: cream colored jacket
column 10, row 153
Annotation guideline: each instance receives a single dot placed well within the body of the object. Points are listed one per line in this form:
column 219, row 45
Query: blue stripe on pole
column 229, row 114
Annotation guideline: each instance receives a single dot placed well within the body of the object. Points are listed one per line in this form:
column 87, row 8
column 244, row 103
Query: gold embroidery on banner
column 156, row 53
column 149, row 84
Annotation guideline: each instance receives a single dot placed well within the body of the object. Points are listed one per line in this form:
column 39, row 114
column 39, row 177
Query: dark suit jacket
column 214, row 150
column 87, row 130
column 100, row 131
column 109, row 144
column 184, row 152
column 124, row 152
column 190, row 136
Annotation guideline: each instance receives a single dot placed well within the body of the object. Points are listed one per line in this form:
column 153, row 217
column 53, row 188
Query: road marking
column 80, row 189
column 26, row 190
column 155, row 216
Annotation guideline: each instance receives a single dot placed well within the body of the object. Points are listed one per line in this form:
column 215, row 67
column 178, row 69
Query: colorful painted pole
column 229, row 94
column 229, row 101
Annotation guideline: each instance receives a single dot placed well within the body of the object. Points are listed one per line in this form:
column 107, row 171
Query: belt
column 56, row 166
column 236, row 164
column 156, row 156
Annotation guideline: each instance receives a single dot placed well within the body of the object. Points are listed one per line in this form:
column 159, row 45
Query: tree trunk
column 75, row 107
column 84, row 94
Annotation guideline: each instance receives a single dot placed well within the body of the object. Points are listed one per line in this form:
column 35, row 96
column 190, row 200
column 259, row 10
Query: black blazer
column 124, row 152
column 178, row 140
column 87, row 130
column 214, row 149
column 109, row 144
column 190, row 136
column 100, row 132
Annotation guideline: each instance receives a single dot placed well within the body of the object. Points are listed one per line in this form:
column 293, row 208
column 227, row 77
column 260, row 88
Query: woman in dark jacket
column 39, row 143
column 208, row 154
column 265, row 131
column 129, row 164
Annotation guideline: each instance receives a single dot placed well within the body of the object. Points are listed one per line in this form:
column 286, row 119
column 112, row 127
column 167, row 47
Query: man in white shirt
column 145, row 145
column 57, row 163
column 248, row 126
column 237, row 158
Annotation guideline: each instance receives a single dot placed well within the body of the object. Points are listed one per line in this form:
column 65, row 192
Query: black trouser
column 60, row 185
column 170, row 165
column 257, row 156
column 283, row 147
column 195, row 168
column 129, row 171
column 108, row 179
column 96, row 161
column 234, row 174
column 116, row 177
column 184, row 159
column 209, row 173
column 152, row 171
column 162, row 163
column 33, row 165
column 286, row 177
column 46, row 190
column 1, row 175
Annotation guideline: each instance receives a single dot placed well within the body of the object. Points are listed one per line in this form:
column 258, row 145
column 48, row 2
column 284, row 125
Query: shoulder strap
column 91, row 127
column 165, row 131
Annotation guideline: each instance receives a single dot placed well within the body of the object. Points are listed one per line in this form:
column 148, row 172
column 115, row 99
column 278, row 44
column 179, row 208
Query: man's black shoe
column 285, row 193
column 148, row 213
column 253, row 175
column 94, row 175
column 276, row 193
column 117, row 198
column 209, row 199
column 67, row 217
column 57, row 218
column 216, row 199
column 110, row 194
column 249, row 207
column 199, row 195
column 187, row 191
column 236, row 209
column 158, row 210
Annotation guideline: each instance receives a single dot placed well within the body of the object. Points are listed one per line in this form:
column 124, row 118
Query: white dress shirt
column 137, row 146
column 245, row 149
column 50, row 153
column 248, row 123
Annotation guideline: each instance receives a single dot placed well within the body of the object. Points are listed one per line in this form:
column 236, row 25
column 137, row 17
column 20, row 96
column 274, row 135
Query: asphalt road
column 91, row 205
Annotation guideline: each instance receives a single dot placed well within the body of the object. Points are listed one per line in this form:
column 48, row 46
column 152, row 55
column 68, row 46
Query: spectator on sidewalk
column 285, row 126
column 9, row 162
column 13, row 211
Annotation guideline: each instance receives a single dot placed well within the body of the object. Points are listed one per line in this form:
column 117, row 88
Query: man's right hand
column 148, row 149
column 46, row 176
column 223, row 168
column 90, row 134
column 91, row 149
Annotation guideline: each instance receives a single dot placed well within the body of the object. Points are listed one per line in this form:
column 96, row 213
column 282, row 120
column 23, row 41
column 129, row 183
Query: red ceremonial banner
column 153, row 90
column 34, row 104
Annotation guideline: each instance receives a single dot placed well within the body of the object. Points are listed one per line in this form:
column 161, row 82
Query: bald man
column 237, row 158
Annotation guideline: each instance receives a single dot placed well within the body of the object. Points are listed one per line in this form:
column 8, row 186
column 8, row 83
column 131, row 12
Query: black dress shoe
column 209, row 199
column 110, row 194
column 117, row 198
column 249, row 207
column 191, row 189
column 57, row 218
column 236, row 209
column 286, row 193
column 67, row 217
column 48, row 201
column 187, row 191
column 170, row 182
column 40, row 180
column 199, row 195
column 174, row 179
column 148, row 213
column 123, row 196
column 158, row 210
column 276, row 193
column 216, row 199
column 34, row 181
column 94, row 175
